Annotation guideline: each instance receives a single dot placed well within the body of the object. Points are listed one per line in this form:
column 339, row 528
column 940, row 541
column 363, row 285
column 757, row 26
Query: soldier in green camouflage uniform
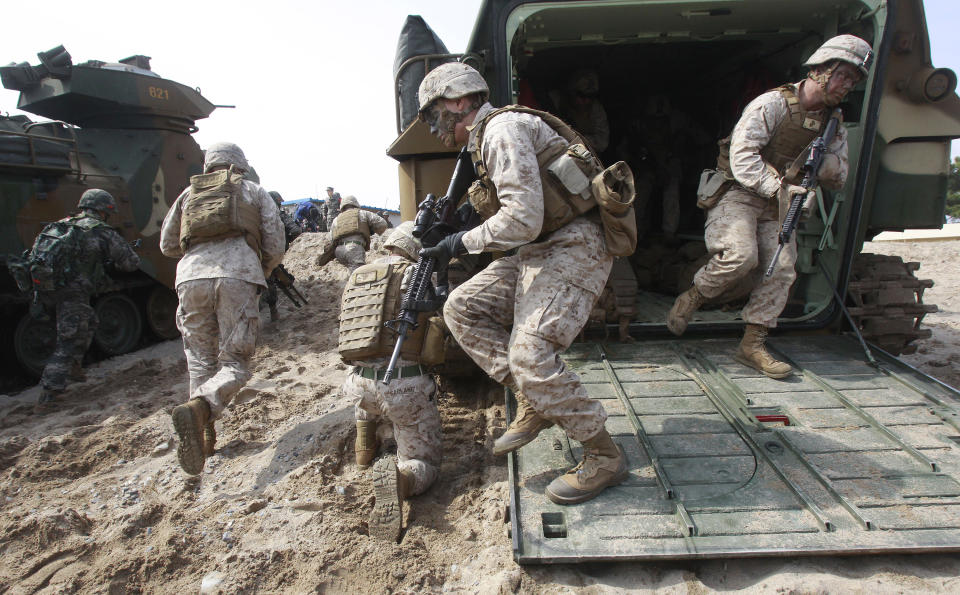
column 76, row 319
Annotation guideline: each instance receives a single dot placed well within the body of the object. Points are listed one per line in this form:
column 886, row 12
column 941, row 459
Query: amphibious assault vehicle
column 856, row 452
column 117, row 126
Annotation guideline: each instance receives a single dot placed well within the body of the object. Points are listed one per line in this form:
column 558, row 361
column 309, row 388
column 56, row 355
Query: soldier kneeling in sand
column 373, row 295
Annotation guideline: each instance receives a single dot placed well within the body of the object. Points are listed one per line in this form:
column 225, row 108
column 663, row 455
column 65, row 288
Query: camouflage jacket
column 290, row 228
column 107, row 245
column 753, row 132
column 511, row 143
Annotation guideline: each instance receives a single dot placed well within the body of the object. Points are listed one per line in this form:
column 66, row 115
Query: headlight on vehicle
column 931, row 84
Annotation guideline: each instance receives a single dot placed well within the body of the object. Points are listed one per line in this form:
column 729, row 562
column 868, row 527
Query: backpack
column 58, row 256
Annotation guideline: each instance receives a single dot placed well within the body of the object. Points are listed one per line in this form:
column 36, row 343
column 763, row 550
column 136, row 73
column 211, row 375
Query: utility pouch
column 712, row 186
column 484, row 202
column 434, row 342
column 571, row 169
column 614, row 192
column 19, row 267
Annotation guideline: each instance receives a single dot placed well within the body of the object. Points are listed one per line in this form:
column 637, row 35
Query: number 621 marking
column 159, row 93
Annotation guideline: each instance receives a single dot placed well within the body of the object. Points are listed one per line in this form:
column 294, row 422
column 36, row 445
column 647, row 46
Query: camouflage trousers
column 518, row 315
column 410, row 405
column 741, row 234
column 351, row 255
column 76, row 325
column 219, row 320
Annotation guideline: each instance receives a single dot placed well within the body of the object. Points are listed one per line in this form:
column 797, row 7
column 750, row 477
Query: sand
column 94, row 501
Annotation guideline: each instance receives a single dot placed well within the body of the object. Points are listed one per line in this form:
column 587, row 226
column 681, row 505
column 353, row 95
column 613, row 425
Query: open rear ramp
column 841, row 458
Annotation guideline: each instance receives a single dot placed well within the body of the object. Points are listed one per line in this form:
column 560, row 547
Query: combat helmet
column 276, row 197
column 452, row 80
column 847, row 48
column 224, row 154
column 402, row 239
column 98, row 200
column 349, row 201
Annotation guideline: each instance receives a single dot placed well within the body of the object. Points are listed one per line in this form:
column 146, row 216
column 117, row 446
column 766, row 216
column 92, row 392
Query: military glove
column 447, row 248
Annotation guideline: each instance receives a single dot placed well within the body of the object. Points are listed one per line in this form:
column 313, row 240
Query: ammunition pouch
column 215, row 209
column 442, row 354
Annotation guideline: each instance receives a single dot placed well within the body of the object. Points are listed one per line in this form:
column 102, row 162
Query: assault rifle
column 284, row 280
column 436, row 219
column 810, row 168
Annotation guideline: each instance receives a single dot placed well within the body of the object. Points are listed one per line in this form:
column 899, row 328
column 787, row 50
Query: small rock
column 211, row 582
column 341, row 490
column 160, row 449
column 227, row 536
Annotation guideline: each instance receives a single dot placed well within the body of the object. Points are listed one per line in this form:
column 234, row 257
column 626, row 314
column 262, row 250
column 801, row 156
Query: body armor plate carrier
column 215, row 209
column 350, row 223
column 372, row 296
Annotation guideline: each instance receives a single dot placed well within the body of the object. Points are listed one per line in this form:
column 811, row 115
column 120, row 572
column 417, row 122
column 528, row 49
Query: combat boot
column 603, row 465
column 47, row 402
column 525, row 426
column 754, row 354
column 683, row 309
column 209, row 439
column 189, row 421
column 365, row 446
column 77, row 374
column 391, row 486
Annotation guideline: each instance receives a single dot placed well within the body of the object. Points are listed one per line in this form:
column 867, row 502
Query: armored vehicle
column 856, row 452
column 117, row 126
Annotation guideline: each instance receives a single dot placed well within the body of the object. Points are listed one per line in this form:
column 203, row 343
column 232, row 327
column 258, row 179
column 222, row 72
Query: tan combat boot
column 683, row 309
column 603, row 465
column 752, row 353
column 365, row 446
column 525, row 426
column 209, row 439
column 391, row 486
column 189, row 421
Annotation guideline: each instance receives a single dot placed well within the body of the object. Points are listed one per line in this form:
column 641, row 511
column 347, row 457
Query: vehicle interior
column 670, row 90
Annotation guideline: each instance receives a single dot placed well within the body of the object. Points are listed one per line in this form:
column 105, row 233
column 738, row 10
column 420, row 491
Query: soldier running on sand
column 223, row 267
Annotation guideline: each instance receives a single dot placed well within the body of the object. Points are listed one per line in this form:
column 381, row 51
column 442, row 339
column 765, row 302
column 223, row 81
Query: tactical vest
column 214, row 209
column 789, row 141
column 372, row 296
column 566, row 170
column 350, row 223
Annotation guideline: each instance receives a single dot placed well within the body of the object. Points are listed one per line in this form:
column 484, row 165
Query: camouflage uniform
column 515, row 317
column 331, row 208
column 218, row 282
column 409, row 404
column 351, row 249
column 76, row 319
column 742, row 230
column 291, row 232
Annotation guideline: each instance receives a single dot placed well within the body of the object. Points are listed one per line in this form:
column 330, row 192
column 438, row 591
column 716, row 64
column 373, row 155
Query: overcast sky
column 312, row 81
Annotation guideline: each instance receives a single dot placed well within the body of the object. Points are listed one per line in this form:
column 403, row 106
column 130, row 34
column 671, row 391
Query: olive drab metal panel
column 841, row 458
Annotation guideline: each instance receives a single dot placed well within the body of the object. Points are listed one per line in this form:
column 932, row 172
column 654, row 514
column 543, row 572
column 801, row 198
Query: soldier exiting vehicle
column 373, row 294
column 224, row 264
column 760, row 177
column 515, row 317
column 68, row 265
column 351, row 232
